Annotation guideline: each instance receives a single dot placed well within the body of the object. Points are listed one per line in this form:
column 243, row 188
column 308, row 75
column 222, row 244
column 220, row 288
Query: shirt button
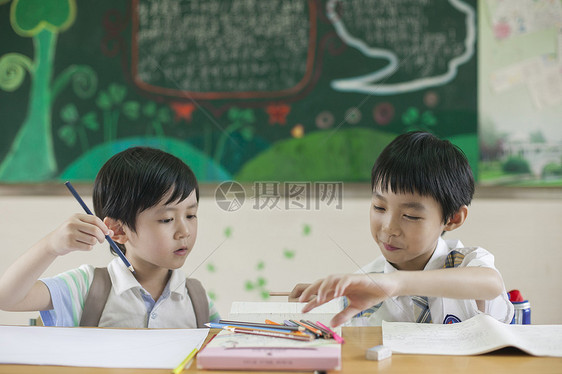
column 153, row 315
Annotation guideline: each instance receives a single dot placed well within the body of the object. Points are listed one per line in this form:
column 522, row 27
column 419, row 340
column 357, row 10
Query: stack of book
column 287, row 345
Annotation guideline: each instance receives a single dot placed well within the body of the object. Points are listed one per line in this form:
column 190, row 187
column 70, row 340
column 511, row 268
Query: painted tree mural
column 31, row 156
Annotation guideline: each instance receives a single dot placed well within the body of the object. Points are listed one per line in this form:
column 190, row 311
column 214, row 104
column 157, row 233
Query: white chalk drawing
column 372, row 83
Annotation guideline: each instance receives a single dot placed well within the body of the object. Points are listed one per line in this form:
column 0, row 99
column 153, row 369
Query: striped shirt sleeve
column 68, row 292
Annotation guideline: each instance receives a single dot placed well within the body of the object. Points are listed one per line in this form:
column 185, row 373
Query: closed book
column 234, row 351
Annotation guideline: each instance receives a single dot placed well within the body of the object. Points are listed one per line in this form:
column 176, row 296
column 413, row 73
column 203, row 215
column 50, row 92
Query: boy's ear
column 116, row 226
column 457, row 220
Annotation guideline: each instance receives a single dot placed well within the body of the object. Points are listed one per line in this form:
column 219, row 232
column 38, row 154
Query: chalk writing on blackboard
column 215, row 49
column 423, row 47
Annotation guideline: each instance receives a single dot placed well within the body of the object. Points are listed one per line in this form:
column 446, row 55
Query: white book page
column 477, row 335
column 538, row 340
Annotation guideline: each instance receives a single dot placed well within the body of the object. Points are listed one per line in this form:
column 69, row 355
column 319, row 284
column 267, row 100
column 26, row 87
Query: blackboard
column 242, row 89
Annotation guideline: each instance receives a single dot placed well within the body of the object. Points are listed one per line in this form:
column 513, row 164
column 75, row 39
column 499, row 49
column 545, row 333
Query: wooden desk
column 357, row 340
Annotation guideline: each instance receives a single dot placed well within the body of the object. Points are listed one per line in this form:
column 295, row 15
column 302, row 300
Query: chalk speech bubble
column 408, row 31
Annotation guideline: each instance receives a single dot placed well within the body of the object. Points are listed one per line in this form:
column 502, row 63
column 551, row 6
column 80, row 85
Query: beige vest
column 101, row 286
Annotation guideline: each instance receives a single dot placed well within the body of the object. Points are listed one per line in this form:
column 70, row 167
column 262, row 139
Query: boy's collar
column 435, row 261
column 123, row 280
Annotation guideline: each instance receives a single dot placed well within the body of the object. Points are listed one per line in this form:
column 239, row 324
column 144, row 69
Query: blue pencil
column 107, row 237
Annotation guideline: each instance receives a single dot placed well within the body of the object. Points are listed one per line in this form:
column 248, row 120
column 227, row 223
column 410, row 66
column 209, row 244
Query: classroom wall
column 244, row 254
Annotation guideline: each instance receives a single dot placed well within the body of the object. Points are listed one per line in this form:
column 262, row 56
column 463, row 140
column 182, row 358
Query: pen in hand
column 107, row 237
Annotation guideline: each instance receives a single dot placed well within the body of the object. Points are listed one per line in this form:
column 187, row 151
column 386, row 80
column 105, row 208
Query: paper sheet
column 93, row 347
column 280, row 311
column 477, row 335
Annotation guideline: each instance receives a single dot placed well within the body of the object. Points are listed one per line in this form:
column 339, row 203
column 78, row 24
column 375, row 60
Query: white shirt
column 443, row 310
column 128, row 305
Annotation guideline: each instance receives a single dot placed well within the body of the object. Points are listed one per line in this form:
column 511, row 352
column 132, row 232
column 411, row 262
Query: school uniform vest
column 101, row 286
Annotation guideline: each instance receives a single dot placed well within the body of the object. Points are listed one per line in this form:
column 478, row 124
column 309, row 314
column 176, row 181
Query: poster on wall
column 520, row 93
column 241, row 90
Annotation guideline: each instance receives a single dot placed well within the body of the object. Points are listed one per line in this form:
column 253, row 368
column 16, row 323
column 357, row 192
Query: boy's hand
column 297, row 291
column 79, row 233
column 362, row 292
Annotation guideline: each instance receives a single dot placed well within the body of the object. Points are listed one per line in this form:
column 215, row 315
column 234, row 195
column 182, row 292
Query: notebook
column 479, row 334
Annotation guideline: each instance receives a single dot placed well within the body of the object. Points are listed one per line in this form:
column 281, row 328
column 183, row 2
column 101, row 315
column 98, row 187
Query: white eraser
column 378, row 352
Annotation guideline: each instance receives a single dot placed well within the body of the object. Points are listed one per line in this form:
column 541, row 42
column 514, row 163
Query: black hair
column 419, row 162
column 138, row 178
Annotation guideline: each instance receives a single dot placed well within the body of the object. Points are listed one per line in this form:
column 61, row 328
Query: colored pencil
column 290, row 323
column 263, row 329
column 184, row 363
column 220, row 325
column 299, row 333
column 107, row 237
column 326, row 334
column 261, row 325
column 311, row 327
column 338, row 338
column 285, row 335
column 316, row 332
column 279, row 293
column 270, row 322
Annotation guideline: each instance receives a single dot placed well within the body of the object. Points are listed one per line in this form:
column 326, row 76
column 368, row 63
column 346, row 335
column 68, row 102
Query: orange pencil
column 251, row 328
column 316, row 332
column 269, row 322
column 287, row 335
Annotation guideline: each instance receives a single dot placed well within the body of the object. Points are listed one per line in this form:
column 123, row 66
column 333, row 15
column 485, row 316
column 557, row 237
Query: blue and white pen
column 107, row 237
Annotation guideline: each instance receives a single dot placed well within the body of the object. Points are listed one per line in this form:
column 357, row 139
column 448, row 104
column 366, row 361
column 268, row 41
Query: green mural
column 310, row 91
column 86, row 167
column 345, row 155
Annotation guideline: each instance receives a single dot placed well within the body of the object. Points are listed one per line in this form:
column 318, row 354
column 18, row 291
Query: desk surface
column 357, row 340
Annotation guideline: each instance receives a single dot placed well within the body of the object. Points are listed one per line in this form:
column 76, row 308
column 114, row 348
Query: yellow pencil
column 184, row 363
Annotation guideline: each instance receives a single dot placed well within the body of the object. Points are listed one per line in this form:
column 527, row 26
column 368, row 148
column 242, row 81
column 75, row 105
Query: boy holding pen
column 146, row 200
column 421, row 188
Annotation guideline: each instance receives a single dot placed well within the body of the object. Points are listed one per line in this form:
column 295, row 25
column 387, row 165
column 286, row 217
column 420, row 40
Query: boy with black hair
column 421, row 188
column 147, row 201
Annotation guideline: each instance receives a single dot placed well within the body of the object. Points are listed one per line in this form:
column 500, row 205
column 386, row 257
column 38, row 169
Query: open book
column 480, row 334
